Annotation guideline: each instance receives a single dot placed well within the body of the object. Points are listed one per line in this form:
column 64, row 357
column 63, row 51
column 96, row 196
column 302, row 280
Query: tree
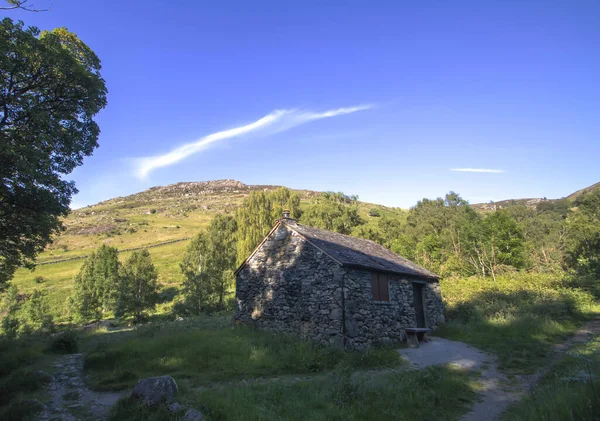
column 37, row 313
column 23, row 5
column 196, row 286
column 257, row 215
column 50, row 91
column 222, row 233
column 138, row 288
column 497, row 241
column 583, row 240
column 8, row 311
column 333, row 212
column 96, row 286
column 208, row 265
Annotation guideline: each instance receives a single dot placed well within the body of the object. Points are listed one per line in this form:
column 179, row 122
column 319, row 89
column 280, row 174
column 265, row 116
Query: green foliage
column 257, row 215
column 518, row 316
column 496, row 242
column 138, row 289
column 50, row 90
column 8, row 312
column 583, row 240
column 374, row 212
column 37, row 314
column 96, row 286
column 334, row 212
column 64, row 343
column 200, row 352
column 208, row 265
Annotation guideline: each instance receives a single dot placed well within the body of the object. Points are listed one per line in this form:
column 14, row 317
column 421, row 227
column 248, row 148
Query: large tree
column 50, row 91
column 258, row 214
column 138, row 289
column 208, row 265
column 96, row 286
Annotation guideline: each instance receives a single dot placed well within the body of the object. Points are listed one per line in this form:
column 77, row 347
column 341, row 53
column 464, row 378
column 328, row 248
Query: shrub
column 64, row 343
column 39, row 279
column 374, row 212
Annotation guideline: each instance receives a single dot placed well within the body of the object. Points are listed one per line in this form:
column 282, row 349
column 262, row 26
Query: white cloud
column 276, row 121
column 488, row 170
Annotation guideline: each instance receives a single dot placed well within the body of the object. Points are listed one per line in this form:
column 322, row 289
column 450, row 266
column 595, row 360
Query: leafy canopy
column 138, row 287
column 50, row 91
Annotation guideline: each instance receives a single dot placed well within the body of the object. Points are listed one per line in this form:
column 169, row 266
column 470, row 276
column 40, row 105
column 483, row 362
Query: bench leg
column 412, row 340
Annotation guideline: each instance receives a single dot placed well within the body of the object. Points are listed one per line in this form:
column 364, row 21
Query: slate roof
column 358, row 252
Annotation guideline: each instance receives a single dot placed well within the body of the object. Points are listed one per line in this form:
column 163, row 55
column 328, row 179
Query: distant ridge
column 533, row 202
column 581, row 192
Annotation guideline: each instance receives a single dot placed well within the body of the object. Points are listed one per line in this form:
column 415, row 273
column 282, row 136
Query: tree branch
column 23, row 5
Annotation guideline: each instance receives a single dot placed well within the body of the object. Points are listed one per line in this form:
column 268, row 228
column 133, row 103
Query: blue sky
column 509, row 85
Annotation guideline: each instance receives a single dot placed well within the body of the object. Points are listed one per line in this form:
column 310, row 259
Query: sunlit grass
column 518, row 317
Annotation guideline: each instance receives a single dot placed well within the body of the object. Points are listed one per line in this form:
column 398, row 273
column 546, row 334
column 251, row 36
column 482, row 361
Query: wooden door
column 418, row 300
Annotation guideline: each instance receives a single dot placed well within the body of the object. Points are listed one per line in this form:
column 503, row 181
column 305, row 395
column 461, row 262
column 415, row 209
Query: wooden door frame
column 422, row 286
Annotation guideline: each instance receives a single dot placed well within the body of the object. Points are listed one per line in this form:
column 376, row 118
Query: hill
column 532, row 202
column 162, row 219
column 579, row 193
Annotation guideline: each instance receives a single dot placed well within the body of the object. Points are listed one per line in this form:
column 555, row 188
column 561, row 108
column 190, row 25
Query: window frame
column 380, row 287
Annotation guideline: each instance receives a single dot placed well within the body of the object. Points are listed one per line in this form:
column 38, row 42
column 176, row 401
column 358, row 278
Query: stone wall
column 289, row 286
column 371, row 322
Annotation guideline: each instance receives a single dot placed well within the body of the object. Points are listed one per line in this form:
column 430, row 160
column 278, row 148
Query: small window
column 380, row 287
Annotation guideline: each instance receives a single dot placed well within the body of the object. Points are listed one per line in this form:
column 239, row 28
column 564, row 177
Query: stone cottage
column 334, row 289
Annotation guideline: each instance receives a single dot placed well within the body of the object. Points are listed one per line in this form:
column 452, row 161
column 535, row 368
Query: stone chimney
column 286, row 214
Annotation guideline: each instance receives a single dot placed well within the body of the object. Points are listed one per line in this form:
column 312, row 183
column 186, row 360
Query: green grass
column 518, row 316
column 200, row 353
column 19, row 380
column 571, row 391
column 435, row 393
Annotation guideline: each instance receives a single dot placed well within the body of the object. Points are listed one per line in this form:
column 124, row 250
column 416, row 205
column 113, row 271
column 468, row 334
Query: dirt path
column 498, row 393
column 70, row 399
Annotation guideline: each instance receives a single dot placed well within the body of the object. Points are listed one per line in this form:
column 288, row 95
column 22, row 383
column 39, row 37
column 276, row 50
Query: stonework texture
column 289, row 286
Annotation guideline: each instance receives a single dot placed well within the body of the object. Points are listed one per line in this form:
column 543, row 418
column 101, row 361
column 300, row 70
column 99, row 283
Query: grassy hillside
column 532, row 202
column 170, row 214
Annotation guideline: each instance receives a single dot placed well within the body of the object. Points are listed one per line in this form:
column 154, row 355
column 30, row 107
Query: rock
column 176, row 407
column 42, row 377
column 155, row 390
column 193, row 415
column 336, row 314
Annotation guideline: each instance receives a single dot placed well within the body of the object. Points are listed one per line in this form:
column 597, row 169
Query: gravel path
column 70, row 399
column 496, row 396
column 498, row 393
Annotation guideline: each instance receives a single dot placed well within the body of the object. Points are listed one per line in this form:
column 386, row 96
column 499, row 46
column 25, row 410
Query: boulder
column 193, row 415
column 155, row 390
column 177, row 407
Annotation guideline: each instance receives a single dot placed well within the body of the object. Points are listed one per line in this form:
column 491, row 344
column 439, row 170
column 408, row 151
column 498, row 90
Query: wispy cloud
column 489, row 170
column 274, row 122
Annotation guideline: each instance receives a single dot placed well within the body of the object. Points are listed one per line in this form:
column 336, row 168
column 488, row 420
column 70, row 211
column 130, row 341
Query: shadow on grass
column 519, row 326
column 203, row 350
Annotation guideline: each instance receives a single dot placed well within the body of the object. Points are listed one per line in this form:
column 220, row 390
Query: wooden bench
column 414, row 335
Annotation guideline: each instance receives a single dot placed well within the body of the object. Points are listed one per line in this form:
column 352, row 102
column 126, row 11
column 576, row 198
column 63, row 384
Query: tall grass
column 207, row 354
column 571, row 391
column 430, row 394
column 518, row 316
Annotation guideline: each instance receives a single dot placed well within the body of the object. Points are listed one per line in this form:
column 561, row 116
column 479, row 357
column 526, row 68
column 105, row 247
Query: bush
column 374, row 212
column 39, row 279
column 519, row 316
column 64, row 343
